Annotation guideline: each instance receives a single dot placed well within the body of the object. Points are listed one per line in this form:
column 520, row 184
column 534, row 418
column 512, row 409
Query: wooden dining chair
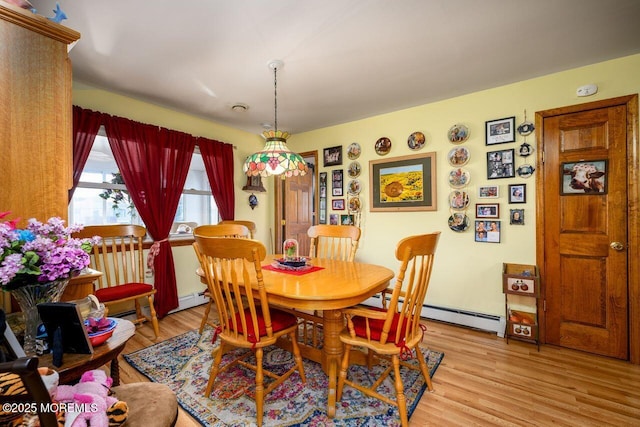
column 334, row 241
column 120, row 258
column 218, row 230
column 327, row 241
column 393, row 331
column 249, row 224
column 246, row 318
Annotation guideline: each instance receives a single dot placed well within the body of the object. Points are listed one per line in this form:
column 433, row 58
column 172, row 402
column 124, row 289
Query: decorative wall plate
column 458, row 200
column 354, row 170
column 354, row 204
column 354, row 187
column 459, row 222
column 416, row 140
column 458, row 156
column 525, row 171
column 458, row 178
column 383, row 146
column 525, row 149
column 526, row 128
column 353, row 151
column 458, row 134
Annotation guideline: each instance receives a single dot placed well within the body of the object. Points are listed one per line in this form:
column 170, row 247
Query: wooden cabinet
column 35, row 115
column 521, row 287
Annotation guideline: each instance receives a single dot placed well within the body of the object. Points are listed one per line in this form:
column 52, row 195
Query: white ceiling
column 344, row 59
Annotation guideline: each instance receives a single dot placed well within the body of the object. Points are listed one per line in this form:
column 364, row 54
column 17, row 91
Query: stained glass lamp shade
column 275, row 158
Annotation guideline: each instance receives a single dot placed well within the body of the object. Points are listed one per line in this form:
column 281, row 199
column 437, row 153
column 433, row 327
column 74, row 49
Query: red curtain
column 218, row 161
column 154, row 163
column 85, row 128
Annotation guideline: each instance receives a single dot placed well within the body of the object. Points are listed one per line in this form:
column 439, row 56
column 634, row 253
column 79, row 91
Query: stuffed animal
column 93, row 392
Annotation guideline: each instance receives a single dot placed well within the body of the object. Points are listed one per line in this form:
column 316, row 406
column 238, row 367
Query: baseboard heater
column 485, row 322
column 190, row 300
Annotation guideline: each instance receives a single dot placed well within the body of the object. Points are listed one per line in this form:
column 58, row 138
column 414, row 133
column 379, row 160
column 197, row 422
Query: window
column 88, row 207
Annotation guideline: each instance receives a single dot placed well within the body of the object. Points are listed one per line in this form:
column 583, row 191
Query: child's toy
column 92, row 395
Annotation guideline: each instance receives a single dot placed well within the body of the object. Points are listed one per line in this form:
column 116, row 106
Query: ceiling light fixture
column 275, row 158
column 239, row 108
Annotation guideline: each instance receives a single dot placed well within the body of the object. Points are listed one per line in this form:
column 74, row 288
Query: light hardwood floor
column 483, row 381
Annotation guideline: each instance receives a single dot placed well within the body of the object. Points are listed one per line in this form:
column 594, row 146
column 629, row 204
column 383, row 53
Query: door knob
column 617, row 246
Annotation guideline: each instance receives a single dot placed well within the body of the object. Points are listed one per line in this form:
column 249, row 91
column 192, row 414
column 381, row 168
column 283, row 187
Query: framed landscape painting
column 406, row 183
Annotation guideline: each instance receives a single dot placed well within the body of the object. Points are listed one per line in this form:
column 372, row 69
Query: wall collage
column 501, row 163
column 351, row 204
column 412, row 174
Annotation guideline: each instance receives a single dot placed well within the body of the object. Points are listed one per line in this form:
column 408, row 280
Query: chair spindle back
column 120, row 256
column 249, row 224
column 227, row 264
column 338, row 242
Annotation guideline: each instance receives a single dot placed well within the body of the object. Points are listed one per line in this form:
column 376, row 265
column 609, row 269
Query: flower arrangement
column 40, row 253
column 291, row 248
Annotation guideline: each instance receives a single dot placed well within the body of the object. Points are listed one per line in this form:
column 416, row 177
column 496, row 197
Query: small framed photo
column 500, row 164
column 488, row 192
column 337, row 204
column 501, row 130
column 487, row 210
column 337, row 182
column 332, row 156
column 9, row 344
column 516, row 216
column 588, row 177
column 517, row 193
column 333, row 219
column 323, row 179
column 487, row 231
column 346, row 219
column 323, row 210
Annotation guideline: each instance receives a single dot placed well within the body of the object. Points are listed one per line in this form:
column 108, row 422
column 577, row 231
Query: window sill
column 174, row 240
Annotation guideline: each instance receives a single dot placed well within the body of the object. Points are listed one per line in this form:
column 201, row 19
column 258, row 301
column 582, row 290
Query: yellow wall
column 467, row 274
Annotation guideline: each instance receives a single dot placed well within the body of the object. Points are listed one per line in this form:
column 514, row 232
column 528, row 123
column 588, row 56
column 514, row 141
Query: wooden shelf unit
column 523, row 281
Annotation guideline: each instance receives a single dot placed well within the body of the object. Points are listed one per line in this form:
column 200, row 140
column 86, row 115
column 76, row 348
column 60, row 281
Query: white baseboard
column 470, row 319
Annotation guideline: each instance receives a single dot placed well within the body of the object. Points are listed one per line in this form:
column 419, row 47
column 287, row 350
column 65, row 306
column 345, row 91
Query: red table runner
column 294, row 272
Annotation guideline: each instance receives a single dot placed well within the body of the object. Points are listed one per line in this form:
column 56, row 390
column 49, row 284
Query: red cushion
column 279, row 320
column 122, row 291
column 375, row 325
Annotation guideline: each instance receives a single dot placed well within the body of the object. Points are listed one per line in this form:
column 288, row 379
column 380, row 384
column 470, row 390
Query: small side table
column 74, row 365
column 80, row 286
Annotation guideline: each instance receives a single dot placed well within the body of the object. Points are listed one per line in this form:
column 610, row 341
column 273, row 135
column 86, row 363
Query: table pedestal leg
column 332, row 353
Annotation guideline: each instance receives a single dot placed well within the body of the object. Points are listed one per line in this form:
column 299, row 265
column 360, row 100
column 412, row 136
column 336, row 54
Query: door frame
column 633, row 210
column 278, row 191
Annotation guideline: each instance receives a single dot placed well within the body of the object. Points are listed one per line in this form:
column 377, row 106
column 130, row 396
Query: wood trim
column 633, row 210
column 37, row 23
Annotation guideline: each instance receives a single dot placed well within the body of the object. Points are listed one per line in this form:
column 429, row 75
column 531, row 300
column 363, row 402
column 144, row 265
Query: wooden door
column 584, row 237
column 299, row 207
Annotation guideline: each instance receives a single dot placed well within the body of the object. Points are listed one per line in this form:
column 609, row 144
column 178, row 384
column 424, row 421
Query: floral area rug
column 183, row 363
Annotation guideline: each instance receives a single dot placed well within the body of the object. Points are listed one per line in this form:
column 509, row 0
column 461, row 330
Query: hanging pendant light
column 275, row 158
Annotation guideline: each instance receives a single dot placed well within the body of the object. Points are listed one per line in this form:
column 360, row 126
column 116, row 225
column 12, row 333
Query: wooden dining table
column 328, row 287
